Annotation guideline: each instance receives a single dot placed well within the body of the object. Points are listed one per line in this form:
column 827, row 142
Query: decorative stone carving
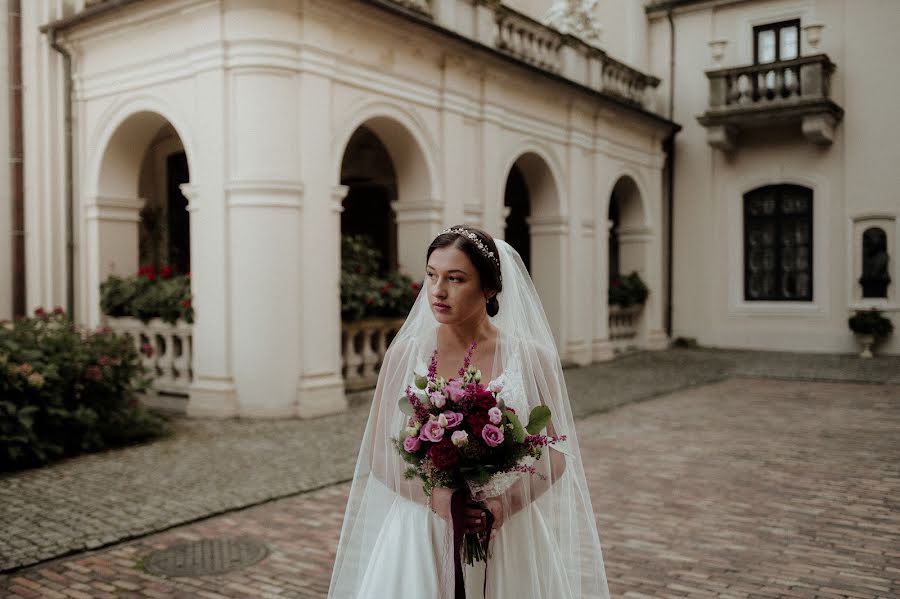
column 575, row 17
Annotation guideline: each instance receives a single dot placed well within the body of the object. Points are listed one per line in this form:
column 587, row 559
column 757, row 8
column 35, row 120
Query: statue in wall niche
column 875, row 278
column 575, row 17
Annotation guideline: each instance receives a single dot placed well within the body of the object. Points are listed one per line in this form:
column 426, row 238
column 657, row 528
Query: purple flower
column 431, row 431
column 459, row 438
column 454, row 419
column 437, row 399
column 492, row 435
column 412, row 444
column 495, row 415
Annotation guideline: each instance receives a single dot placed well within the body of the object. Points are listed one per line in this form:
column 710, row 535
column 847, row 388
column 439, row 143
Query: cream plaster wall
column 854, row 177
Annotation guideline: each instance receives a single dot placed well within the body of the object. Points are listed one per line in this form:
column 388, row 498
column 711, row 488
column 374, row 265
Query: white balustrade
column 528, row 40
column 364, row 344
column 172, row 350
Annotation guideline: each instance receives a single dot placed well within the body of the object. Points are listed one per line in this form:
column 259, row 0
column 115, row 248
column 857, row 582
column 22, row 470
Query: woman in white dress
column 398, row 542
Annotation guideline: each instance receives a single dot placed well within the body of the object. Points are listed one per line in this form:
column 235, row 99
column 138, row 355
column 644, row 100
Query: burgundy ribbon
column 458, row 503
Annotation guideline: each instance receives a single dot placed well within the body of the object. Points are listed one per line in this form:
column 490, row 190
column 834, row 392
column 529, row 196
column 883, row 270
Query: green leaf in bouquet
column 405, row 406
column 517, row 431
column 538, row 419
column 421, row 382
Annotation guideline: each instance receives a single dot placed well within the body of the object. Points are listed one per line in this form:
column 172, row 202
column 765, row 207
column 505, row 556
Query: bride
column 396, row 541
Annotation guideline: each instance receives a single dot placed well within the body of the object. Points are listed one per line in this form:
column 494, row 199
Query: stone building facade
column 262, row 99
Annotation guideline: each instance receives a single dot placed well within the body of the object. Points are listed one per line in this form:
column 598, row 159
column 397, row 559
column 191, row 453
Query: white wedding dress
column 393, row 546
column 412, row 550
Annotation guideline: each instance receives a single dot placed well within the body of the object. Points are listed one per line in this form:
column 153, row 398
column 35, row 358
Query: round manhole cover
column 205, row 557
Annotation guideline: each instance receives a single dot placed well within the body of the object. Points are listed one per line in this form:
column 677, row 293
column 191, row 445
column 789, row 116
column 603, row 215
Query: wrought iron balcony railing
column 786, row 92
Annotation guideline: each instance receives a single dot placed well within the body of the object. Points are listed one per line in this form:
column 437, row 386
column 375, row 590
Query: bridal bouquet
column 461, row 435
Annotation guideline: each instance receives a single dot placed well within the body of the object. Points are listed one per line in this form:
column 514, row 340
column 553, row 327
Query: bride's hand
column 495, row 505
column 440, row 501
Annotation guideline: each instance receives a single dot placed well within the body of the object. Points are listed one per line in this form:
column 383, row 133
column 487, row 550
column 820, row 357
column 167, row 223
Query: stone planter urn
column 866, row 341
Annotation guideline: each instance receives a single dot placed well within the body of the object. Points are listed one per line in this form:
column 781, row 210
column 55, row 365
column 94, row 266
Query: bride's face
column 454, row 287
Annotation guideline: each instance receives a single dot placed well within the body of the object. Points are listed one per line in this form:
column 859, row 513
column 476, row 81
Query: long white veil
column 550, row 512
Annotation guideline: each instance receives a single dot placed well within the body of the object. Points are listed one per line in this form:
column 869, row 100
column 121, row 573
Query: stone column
column 653, row 330
column 418, row 223
column 265, row 240
column 549, row 257
column 319, row 384
column 111, row 245
column 601, row 346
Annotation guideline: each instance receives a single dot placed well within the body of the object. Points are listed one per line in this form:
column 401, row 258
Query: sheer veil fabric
column 392, row 544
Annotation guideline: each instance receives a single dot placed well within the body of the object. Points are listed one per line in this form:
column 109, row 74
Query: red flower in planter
column 166, row 272
column 147, row 350
column 186, row 303
column 40, row 313
column 58, row 310
column 103, row 361
column 93, row 373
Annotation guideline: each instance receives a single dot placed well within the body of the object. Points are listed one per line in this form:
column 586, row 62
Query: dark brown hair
column 488, row 269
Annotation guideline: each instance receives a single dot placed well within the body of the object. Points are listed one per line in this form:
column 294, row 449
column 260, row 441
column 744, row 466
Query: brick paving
column 211, row 467
column 740, row 489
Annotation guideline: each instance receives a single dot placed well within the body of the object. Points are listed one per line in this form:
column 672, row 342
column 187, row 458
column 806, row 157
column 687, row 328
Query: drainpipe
column 669, row 149
column 16, row 164
column 69, row 189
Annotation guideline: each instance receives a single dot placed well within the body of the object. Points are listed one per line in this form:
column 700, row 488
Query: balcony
column 784, row 93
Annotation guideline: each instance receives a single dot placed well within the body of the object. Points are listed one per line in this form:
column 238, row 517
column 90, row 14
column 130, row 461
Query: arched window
column 778, row 244
column 875, row 278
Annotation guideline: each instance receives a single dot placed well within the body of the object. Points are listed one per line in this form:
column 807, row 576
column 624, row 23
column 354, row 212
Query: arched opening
column 164, row 230
column 517, row 202
column 536, row 229
column 138, row 216
column 368, row 174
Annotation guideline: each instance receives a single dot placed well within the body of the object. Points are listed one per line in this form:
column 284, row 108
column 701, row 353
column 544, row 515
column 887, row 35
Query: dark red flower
column 40, row 312
column 476, row 421
column 93, row 373
column 444, row 454
column 58, row 310
column 484, row 399
column 416, row 285
column 103, row 361
column 166, row 272
column 147, row 350
column 186, row 303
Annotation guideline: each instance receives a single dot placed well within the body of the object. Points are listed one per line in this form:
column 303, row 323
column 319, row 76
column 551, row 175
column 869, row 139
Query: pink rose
column 454, row 419
column 455, row 390
column 412, row 444
column 431, row 431
column 437, row 399
column 496, row 388
column 492, row 435
column 495, row 415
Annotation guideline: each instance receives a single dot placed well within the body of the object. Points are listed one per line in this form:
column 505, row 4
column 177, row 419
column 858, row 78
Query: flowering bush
column 365, row 293
column 150, row 294
column 627, row 291
column 66, row 390
column 870, row 322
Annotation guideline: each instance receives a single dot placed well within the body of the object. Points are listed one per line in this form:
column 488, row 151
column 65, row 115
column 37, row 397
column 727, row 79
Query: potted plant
column 869, row 325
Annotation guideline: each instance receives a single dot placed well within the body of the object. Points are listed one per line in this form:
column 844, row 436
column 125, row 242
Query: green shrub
column 149, row 294
column 366, row 293
column 65, row 390
column 627, row 291
column 870, row 322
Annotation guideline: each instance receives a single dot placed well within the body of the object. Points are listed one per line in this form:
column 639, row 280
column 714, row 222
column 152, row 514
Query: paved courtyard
column 744, row 488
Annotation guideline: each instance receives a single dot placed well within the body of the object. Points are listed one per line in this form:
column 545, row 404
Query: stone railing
column 363, row 345
column 764, row 84
column 788, row 91
column 624, row 322
column 528, row 40
column 166, row 351
column 625, row 82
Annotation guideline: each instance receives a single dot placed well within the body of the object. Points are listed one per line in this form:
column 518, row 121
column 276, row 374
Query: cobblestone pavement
column 210, row 467
column 740, row 489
